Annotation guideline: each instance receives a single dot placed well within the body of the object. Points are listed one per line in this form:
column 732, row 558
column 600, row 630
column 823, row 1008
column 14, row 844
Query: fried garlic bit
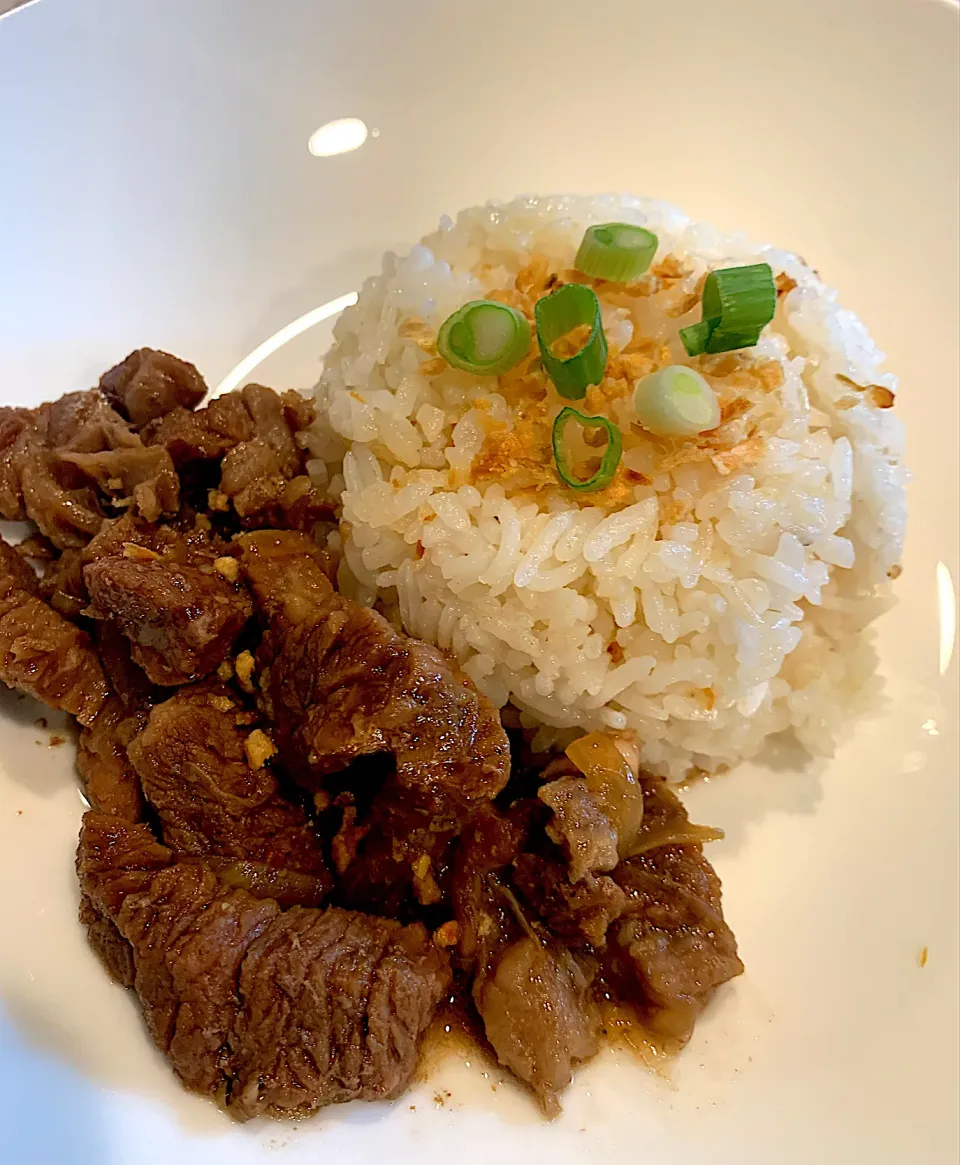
column 228, row 567
column 244, row 666
column 259, row 748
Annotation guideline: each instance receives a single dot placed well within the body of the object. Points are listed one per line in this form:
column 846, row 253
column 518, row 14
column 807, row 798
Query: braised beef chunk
column 149, row 384
column 189, row 935
column 343, row 683
column 110, row 782
column 671, row 947
column 580, row 826
column 538, row 1014
column 198, row 771
column 253, row 414
column 578, row 912
column 57, row 460
column 40, row 652
column 116, row 858
column 181, row 618
column 205, row 435
column 108, row 943
column 335, row 1005
column 396, row 855
column 12, row 424
column 281, row 1012
column 531, row 993
column 142, row 476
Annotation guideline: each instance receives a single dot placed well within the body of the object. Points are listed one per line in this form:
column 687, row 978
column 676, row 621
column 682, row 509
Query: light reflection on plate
column 310, row 319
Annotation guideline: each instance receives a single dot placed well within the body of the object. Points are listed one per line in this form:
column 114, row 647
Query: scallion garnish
column 676, row 402
column 738, row 303
column 569, row 307
column 484, row 337
column 608, row 462
column 617, row 251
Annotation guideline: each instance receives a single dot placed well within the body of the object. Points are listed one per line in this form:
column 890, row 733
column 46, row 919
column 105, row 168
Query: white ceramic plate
column 156, row 188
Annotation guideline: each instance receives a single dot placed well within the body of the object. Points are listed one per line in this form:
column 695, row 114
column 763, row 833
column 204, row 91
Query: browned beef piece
column 580, row 913
column 108, row 943
column 139, row 475
column 287, row 1012
column 671, row 948
column 40, row 652
column 116, row 858
column 204, row 435
column 110, row 782
column 342, row 683
column 254, row 432
column 12, row 424
column 538, row 1014
column 189, row 935
column 397, row 854
column 181, row 617
column 128, row 681
column 263, row 497
column 55, row 459
column 531, row 993
column 195, row 772
column 251, row 414
column 335, row 1005
column 149, row 384
column 69, row 515
column 580, row 826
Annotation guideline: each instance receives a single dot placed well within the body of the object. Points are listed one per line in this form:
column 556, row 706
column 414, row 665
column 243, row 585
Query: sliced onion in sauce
column 613, row 782
column 674, row 833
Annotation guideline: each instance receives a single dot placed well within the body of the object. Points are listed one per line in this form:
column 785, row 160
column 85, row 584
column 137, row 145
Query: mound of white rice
column 718, row 591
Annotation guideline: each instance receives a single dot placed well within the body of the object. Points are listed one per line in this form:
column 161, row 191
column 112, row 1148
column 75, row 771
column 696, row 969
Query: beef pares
column 57, row 460
column 532, row 993
column 110, row 782
column 149, row 384
column 40, row 652
column 254, row 434
column 274, row 1012
column 193, row 760
column 341, row 683
column 180, row 611
column 578, row 912
column 671, row 948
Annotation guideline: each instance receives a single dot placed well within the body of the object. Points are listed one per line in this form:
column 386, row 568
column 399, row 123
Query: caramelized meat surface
column 344, row 684
column 193, row 760
column 109, row 780
column 280, row 1011
column 181, row 617
column 40, row 652
column 671, row 947
column 149, row 384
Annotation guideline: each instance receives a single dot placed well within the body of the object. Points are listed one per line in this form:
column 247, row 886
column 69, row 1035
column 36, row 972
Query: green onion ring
column 616, row 251
column 484, row 337
column 569, row 307
column 609, row 461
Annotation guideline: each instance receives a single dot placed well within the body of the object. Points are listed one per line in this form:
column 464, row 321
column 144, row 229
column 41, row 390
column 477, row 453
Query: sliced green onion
column 484, row 337
column 696, row 337
column 738, row 303
column 609, row 461
column 617, row 251
column 676, row 402
column 557, row 314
